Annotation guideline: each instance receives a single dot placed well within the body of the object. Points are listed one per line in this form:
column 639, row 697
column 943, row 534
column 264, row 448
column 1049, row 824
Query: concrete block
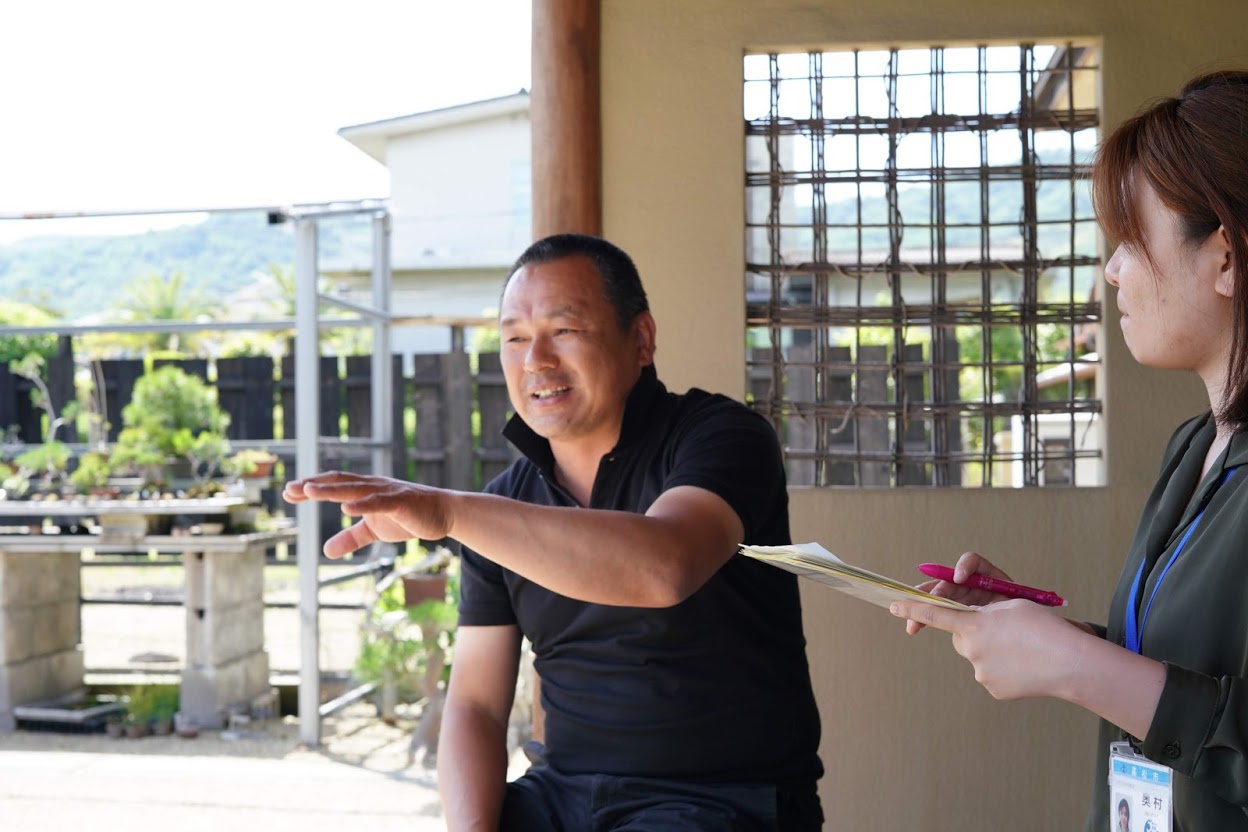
column 234, row 578
column 224, row 579
column 40, row 678
column 27, row 631
column 36, row 577
column 59, row 627
column 222, row 635
column 208, row 692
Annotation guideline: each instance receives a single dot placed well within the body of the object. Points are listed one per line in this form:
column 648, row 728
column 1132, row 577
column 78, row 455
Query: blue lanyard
column 1136, row 631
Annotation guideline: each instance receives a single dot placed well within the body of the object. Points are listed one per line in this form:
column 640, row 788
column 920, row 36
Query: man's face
column 568, row 364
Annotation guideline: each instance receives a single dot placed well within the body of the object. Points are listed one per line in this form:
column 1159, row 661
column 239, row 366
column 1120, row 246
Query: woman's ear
column 1224, row 285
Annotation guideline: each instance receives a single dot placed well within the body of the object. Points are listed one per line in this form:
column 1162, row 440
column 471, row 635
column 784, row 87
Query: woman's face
column 1124, row 816
column 1177, row 316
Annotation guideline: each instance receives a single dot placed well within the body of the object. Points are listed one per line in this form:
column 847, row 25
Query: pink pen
column 1011, row 590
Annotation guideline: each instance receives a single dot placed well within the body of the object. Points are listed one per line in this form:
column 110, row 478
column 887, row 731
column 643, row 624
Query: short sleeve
column 733, row 452
column 483, row 597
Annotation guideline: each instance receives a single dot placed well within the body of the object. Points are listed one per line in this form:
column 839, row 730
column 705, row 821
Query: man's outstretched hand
column 390, row 510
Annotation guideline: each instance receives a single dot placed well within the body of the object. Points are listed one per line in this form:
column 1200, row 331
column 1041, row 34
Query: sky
column 137, row 105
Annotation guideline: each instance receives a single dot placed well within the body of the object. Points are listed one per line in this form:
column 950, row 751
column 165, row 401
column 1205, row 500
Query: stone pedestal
column 41, row 626
column 226, row 665
column 40, row 629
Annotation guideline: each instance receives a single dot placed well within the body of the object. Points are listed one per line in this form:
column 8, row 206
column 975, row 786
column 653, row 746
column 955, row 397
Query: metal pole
column 307, row 463
column 382, row 377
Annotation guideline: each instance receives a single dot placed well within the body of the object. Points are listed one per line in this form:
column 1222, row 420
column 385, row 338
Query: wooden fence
column 837, row 415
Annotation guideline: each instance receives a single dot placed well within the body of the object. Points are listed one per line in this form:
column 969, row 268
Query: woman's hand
column 971, row 563
column 1019, row 649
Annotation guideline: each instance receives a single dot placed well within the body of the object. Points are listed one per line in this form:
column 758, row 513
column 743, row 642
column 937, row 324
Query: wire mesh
column 921, row 264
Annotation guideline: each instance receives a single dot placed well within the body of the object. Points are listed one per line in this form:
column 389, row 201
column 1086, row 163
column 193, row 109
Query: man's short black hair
column 621, row 283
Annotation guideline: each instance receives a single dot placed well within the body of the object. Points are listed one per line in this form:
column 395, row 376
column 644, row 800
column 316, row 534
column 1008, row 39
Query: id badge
column 1141, row 792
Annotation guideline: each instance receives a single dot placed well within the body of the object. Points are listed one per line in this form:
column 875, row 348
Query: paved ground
column 266, row 781
column 358, row 780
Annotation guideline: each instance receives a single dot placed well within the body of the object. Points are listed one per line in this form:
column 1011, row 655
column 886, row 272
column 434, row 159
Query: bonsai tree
column 206, row 451
column 13, row 481
column 137, row 451
column 48, row 461
column 92, row 473
column 173, row 414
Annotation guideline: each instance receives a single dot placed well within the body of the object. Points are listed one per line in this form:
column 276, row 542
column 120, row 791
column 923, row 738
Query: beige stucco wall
column 910, row 741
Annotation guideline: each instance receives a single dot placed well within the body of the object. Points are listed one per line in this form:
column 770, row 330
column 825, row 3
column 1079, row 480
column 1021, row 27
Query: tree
column 161, row 298
column 17, row 347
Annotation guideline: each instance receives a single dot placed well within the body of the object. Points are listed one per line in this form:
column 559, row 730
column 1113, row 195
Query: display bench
column 41, row 587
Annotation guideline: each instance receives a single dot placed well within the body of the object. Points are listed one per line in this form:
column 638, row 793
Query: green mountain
column 75, row 276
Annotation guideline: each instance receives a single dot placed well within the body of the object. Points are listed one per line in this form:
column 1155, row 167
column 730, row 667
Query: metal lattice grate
column 922, row 262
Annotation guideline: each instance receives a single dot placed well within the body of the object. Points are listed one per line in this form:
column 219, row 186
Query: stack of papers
column 810, row 560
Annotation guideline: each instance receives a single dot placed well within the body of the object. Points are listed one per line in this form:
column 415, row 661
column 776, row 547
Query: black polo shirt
column 714, row 689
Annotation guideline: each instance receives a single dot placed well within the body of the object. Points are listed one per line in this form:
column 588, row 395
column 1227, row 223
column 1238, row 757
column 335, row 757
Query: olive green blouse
column 1197, row 627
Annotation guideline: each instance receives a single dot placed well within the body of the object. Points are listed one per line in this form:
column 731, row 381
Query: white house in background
column 460, row 210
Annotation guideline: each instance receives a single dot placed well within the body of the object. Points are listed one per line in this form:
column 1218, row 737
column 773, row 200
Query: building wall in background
column 460, row 207
column 910, row 740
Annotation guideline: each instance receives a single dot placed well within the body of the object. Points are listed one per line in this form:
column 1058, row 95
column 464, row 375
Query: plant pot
column 185, row 726
column 115, row 730
column 134, row 730
column 263, row 470
column 179, row 469
column 417, row 588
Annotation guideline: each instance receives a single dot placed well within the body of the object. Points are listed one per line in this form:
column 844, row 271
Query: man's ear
column 1224, row 285
column 644, row 331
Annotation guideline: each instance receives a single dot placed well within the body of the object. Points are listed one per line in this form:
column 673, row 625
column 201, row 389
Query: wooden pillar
column 566, row 125
column 566, row 118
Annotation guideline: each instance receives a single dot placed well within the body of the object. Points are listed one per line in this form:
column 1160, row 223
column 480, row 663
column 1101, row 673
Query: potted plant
column 251, row 463
column 407, row 636
column 16, row 482
column 47, row 461
column 205, row 451
column 91, row 475
column 164, row 704
column 138, row 453
column 140, row 701
column 168, row 415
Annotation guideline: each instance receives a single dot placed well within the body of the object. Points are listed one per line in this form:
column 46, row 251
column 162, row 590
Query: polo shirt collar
column 637, row 409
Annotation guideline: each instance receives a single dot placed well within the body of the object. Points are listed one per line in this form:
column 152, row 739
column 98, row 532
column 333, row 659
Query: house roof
column 372, row 137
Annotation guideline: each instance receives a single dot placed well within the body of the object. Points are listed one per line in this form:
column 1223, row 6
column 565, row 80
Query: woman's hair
column 1193, row 150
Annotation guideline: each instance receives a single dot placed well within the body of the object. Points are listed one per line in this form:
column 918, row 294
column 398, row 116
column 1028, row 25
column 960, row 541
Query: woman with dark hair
column 1169, row 673
column 1124, row 816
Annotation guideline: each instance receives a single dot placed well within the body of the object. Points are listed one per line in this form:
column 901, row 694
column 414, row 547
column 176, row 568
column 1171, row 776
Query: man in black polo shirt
column 674, row 675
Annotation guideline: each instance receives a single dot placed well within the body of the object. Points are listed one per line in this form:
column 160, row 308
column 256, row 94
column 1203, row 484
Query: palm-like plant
column 160, row 297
